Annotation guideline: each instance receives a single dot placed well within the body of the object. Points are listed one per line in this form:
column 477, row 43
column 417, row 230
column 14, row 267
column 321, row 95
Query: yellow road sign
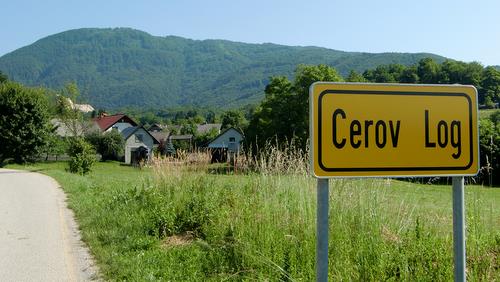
column 361, row 129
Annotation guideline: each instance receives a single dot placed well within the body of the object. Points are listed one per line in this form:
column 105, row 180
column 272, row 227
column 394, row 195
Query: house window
column 139, row 138
column 231, row 147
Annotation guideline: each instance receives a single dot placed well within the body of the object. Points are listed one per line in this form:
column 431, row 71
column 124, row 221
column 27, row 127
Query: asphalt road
column 39, row 239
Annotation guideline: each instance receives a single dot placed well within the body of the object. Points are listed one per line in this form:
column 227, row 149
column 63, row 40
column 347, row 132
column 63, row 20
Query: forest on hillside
column 123, row 67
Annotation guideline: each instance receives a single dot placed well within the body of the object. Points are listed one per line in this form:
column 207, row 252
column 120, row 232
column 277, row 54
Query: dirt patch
column 176, row 240
column 390, row 236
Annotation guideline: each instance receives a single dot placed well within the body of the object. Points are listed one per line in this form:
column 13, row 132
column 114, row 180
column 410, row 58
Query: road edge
column 79, row 259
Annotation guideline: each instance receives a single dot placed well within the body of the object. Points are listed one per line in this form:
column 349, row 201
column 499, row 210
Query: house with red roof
column 119, row 122
column 139, row 143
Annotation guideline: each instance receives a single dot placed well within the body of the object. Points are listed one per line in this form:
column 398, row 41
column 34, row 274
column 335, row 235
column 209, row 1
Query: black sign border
column 388, row 92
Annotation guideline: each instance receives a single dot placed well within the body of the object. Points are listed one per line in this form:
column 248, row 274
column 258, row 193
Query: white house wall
column 131, row 144
column 222, row 141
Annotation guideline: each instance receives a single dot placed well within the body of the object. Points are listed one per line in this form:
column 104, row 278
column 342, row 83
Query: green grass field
column 180, row 225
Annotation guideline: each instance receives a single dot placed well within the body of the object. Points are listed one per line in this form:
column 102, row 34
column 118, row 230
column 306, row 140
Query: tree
column 210, row 116
column 473, row 75
column 409, row 75
column 298, row 110
column 452, row 72
column 169, row 148
column 270, row 116
column 109, row 144
column 489, row 143
column 69, row 115
column 188, row 127
column 149, row 118
column 203, row 139
column 491, row 85
column 284, row 113
column 3, row 77
column 233, row 118
column 355, row 77
column 24, row 122
column 55, row 146
column 428, row 71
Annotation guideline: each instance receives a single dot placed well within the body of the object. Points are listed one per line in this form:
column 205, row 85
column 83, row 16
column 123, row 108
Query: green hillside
column 125, row 67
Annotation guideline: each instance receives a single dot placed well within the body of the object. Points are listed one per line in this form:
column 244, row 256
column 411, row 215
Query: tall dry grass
column 280, row 159
column 272, row 159
column 260, row 223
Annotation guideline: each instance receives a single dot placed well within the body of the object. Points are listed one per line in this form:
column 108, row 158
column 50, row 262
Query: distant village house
column 226, row 144
column 139, row 143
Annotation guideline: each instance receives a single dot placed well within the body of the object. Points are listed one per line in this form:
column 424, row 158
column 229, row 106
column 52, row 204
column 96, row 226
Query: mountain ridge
column 117, row 67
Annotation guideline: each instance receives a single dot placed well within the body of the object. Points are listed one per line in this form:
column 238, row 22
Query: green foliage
column 121, row 67
column 55, row 146
column 233, row 118
column 109, row 145
column 82, row 156
column 385, row 73
column 489, row 144
column 284, row 113
column 75, row 122
column 189, row 226
column 3, row 77
column 188, row 127
column 354, row 76
column 24, row 122
column 490, row 85
column 169, row 149
column 149, row 118
column 203, row 139
column 429, row 71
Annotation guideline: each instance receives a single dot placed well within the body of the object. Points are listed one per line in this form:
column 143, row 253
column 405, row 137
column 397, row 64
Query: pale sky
column 457, row 29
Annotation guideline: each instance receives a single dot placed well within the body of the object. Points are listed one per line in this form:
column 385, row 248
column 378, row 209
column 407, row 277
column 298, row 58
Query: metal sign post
column 322, row 231
column 459, row 228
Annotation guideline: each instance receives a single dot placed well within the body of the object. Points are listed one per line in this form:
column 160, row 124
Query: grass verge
column 174, row 224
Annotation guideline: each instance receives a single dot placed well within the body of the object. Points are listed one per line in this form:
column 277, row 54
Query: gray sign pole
column 322, row 231
column 459, row 228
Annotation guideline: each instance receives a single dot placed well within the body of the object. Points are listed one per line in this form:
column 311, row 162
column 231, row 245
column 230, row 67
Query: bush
column 489, row 143
column 110, row 144
column 82, row 156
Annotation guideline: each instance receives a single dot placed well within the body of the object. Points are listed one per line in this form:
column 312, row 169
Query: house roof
column 222, row 133
column 165, row 135
column 159, row 135
column 157, row 127
column 106, row 122
column 205, row 128
column 63, row 130
column 127, row 132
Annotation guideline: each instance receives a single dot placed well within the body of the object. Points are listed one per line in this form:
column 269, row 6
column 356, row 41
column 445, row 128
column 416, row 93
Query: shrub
column 110, row 144
column 82, row 156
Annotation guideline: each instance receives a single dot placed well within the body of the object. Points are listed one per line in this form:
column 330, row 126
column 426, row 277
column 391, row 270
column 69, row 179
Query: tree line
column 428, row 71
column 282, row 116
column 27, row 132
